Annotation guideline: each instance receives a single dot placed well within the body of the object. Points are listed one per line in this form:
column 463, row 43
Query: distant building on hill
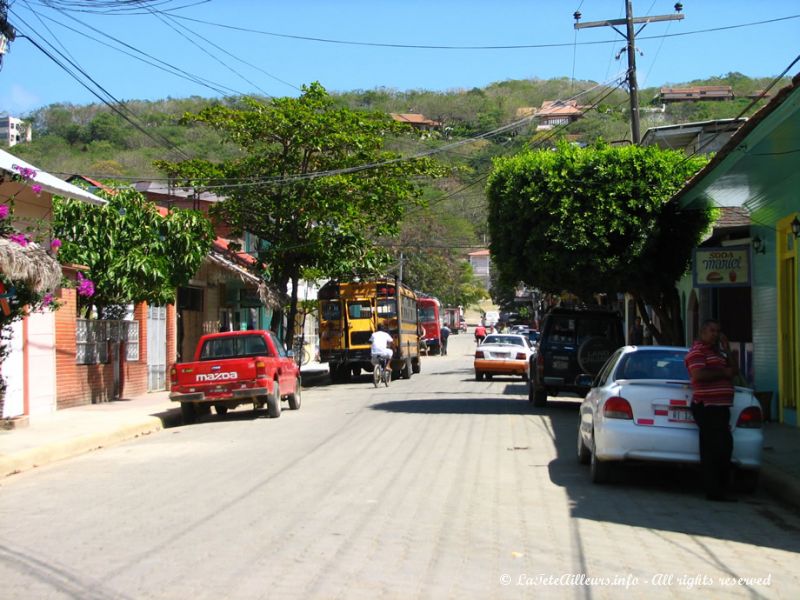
column 480, row 261
column 558, row 112
column 14, row 131
column 697, row 92
column 417, row 121
column 703, row 137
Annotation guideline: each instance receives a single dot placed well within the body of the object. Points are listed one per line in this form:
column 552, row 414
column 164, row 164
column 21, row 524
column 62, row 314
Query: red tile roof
column 414, row 119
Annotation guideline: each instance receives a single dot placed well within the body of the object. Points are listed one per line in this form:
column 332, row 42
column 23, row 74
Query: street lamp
column 796, row 227
column 759, row 247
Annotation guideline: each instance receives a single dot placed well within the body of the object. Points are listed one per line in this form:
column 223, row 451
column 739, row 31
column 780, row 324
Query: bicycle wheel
column 387, row 376
column 376, row 375
column 305, row 357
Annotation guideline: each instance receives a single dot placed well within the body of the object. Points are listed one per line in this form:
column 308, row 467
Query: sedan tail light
column 749, row 418
column 617, row 407
column 521, row 356
column 479, row 354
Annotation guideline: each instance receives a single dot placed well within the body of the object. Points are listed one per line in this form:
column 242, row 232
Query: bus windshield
column 427, row 314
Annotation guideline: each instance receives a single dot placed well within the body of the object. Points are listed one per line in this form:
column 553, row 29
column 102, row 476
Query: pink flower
column 19, row 238
column 47, row 300
column 4, row 211
column 37, row 189
column 55, row 244
column 85, row 286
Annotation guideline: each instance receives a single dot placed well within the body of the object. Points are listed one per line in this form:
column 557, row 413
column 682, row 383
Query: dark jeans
column 444, row 346
column 716, row 446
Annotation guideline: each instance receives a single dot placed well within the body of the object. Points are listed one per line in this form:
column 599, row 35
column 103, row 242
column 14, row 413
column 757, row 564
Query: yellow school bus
column 351, row 311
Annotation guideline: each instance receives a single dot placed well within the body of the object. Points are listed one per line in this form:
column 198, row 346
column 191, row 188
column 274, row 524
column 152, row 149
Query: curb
column 30, row 458
column 780, row 485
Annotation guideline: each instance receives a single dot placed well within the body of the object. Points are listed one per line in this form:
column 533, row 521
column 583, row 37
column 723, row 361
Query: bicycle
column 381, row 372
column 302, row 354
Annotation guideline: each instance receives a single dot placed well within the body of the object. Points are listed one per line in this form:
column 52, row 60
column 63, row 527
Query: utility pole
column 630, row 37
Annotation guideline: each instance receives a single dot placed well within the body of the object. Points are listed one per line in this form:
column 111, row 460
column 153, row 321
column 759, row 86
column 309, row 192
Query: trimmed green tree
column 597, row 219
column 134, row 253
column 312, row 180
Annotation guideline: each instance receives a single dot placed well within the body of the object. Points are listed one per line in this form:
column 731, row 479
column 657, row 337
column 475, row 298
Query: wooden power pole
column 630, row 36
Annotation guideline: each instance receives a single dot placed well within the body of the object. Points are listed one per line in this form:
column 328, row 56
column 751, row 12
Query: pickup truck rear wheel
column 296, row 398
column 274, row 401
column 188, row 413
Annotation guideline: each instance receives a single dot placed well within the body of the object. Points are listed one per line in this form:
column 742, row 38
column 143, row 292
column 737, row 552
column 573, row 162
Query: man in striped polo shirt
column 712, row 370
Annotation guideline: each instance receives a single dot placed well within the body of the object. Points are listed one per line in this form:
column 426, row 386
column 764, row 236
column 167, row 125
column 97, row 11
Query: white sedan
column 639, row 409
column 503, row 354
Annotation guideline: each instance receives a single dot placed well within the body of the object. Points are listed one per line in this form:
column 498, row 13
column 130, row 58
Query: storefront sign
column 721, row 267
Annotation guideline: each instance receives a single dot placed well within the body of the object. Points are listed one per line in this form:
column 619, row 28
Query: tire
column 746, row 480
column 488, row 376
column 274, row 401
column 540, row 398
column 188, row 413
column 376, row 375
column 599, row 470
column 524, row 377
column 531, row 390
column 387, row 377
column 584, row 454
column 416, row 365
column 202, row 410
column 296, row 398
column 405, row 373
column 478, row 376
column 221, row 409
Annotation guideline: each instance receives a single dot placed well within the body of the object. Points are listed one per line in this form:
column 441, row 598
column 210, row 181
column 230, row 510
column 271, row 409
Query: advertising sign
column 721, row 267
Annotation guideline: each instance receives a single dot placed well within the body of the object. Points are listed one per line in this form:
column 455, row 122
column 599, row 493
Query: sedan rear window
column 504, row 340
column 653, row 364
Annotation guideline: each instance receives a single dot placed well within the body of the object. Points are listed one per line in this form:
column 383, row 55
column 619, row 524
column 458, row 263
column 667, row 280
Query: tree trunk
column 292, row 312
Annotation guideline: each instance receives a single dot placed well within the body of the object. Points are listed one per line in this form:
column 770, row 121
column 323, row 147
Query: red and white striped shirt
column 718, row 392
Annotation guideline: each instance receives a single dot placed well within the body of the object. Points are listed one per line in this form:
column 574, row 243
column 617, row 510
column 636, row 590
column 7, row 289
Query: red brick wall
column 88, row 384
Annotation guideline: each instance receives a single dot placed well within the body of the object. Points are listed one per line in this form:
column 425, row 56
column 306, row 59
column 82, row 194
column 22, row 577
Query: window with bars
column 92, row 337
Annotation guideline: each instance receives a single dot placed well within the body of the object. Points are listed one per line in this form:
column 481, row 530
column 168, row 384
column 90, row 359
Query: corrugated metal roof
column 50, row 183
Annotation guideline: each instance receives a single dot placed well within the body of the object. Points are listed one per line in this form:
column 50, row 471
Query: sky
column 209, row 41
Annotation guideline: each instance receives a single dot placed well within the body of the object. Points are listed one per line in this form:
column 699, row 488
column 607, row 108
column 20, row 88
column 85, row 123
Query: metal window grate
column 92, row 337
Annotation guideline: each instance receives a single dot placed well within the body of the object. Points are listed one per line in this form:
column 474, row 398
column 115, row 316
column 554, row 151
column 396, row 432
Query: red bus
column 429, row 310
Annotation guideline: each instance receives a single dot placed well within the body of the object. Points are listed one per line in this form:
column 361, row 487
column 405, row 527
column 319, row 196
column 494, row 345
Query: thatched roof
column 29, row 264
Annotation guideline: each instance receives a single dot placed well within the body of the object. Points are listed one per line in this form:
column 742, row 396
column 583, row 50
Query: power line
column 471, row 47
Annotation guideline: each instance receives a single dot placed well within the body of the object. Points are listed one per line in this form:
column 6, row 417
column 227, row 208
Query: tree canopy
column 596, row 219
column 312, row 180
column 134, row 253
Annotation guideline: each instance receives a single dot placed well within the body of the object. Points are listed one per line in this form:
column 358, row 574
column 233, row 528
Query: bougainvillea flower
column 85, row 286
column 55, row 244
column 37, row 189
column 19, row 238
column 4, row 211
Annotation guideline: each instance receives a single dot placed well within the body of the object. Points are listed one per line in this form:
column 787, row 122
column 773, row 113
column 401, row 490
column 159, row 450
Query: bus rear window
column 359, row 310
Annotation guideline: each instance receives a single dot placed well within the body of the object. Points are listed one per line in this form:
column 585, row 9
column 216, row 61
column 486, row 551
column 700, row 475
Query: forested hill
column 95, row 141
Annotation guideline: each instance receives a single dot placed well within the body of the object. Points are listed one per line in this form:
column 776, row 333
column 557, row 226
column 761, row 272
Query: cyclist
column 382, row 344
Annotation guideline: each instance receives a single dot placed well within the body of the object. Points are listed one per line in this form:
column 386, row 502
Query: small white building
column 13, row 131
column 480, row 260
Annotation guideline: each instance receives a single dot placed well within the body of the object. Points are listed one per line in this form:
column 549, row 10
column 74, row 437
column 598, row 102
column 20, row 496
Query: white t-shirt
column 380, row 342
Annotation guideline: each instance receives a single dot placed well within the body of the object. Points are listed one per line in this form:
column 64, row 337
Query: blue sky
column 280, row 65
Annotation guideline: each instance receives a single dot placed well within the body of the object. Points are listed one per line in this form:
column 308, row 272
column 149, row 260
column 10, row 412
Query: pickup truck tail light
column 479, row 354
column 173, row 376
column 749, row 418
column 261, row 369
column 617, row 407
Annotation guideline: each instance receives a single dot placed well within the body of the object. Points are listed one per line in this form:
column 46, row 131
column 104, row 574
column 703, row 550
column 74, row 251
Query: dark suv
column 574, row 342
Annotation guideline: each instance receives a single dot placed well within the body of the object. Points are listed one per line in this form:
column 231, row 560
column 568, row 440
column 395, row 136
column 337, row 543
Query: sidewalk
column 74, row 431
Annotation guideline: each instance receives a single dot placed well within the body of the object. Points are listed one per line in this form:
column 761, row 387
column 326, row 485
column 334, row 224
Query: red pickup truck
column 233, row 368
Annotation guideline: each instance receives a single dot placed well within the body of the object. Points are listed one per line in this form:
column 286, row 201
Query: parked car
column 233, row 368
column 574, row 342
column 639, row 409
column 503, row 354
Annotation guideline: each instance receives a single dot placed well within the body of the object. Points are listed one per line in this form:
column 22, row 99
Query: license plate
column 501, row 355
column 561, row 364
column 680, row 415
